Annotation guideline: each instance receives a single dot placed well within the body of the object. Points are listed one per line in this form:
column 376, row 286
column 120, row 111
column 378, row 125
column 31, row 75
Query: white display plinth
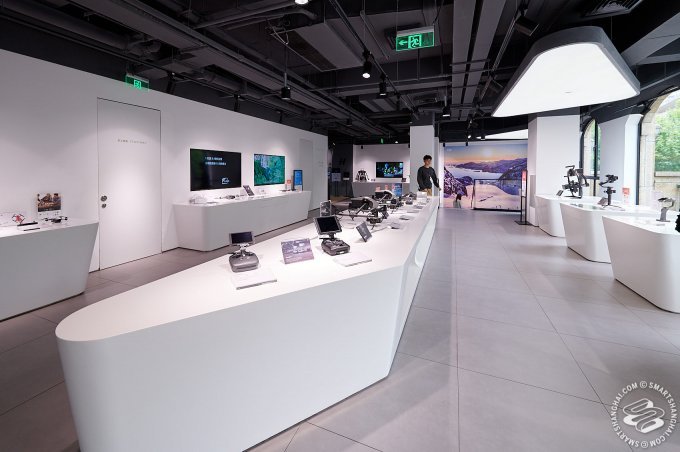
column 360, row 189
column 44, row 266
column 206, row 227
column 584, row 230
column 549, row 214
column 189, row 362
column 645, row 257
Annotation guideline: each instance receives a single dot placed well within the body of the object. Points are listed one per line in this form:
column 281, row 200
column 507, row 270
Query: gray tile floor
column 513, row 343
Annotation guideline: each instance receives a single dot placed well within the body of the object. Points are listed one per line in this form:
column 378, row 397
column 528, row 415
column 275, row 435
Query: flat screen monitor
column 297, row 178
column 270, row 169
column 398, row 190
column 327, row 225
column 389, row 169
column 241, row 238
column 211, row 170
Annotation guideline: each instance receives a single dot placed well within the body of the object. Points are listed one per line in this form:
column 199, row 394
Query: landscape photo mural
column 484, row 175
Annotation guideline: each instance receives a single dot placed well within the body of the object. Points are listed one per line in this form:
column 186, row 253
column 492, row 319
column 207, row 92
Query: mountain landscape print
column 484, row 175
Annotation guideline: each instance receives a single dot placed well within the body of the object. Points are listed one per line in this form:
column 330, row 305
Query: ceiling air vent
column 605, row 8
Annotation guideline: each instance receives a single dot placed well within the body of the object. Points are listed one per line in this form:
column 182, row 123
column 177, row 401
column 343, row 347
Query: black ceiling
column 232, row 54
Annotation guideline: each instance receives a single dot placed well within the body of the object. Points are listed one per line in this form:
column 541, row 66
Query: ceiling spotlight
column 367, row 65
column 446, row 112
column 469, row 135
column 285, row 93
column 396, row 141
column 383, row 87
column 301, row 2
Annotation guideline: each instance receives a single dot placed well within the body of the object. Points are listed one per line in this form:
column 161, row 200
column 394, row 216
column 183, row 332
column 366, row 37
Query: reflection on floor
column 513, row 343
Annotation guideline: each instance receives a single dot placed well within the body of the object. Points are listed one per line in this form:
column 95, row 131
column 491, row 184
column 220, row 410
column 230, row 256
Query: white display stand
column 44, row 266
column 206, row 227
column 584, row 230
column 189, row 362
column 360, row 189
column 549, row 214
column 645, row 257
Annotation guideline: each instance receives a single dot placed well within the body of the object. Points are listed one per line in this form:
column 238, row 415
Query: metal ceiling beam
column 653, row 41
column 138, row 15
column 243, row 15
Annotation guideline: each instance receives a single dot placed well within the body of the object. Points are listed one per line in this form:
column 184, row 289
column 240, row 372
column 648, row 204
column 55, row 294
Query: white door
column 129, row 142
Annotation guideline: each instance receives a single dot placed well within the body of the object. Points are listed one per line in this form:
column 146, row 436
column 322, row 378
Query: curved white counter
column 549, row 214
column 45, row 265
column 190, row 363
column 584, row 230
column 646, row 257
column 368, row 188
column 206, row 227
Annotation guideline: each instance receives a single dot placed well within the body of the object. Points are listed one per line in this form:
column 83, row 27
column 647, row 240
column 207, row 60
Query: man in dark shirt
column 425, row 173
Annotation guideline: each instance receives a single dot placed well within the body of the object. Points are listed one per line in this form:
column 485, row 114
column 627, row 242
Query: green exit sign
column 136, row 82
column 415, row 39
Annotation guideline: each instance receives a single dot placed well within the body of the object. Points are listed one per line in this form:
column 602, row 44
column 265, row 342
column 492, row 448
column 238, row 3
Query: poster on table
column 484, row 175
column 49, row 205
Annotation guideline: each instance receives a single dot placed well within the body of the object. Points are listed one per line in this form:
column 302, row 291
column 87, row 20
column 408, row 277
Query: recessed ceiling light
column 301, row 2
column 570, row 68
column 514, row 135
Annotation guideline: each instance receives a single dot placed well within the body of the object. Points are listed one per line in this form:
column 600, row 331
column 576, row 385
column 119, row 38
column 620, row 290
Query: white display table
column 190, row 363
column 206, row 227
column 360, row 189
column 584, row 230
column 646, row 257
column 549, row 214
column 44, row 266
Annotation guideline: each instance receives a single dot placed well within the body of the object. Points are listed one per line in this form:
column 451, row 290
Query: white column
column 554, row 143
column 619, row 154
column 423, row 142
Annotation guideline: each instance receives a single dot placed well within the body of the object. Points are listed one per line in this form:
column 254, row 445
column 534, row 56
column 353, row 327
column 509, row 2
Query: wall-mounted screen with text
column 211, row 170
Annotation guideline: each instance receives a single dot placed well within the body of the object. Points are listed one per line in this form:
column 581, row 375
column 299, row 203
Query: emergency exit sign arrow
column 418, row 38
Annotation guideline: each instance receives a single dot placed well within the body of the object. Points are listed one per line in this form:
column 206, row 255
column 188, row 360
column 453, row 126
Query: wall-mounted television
column 270, row 169
column 389, row 169
column 211, row 170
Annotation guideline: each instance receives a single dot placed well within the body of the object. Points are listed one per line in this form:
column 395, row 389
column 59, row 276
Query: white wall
column 48, row 140
column 619, row 154
column 371, row 153
column 554, row 143
column 423, row 142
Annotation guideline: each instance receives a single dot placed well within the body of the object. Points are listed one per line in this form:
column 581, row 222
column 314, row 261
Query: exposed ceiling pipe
column 236, row 87
column 66, row 22
column 501, row 52
column 183, row 36
column 348, row 24
column 238, row 16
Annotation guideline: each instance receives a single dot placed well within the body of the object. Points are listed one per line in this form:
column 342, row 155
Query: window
column 590, row 154
column 660, row 151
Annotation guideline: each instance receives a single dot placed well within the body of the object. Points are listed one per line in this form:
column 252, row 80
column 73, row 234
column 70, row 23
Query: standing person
column 425, row 173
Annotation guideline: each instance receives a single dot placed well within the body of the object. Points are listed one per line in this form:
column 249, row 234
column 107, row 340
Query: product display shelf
column 42, row 266
column 549, row 214
column 189, row 362
column 206, row 227
column 584, row 229
column 645, row 256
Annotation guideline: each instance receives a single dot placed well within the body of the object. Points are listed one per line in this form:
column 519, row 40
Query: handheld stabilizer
column 609, row 179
